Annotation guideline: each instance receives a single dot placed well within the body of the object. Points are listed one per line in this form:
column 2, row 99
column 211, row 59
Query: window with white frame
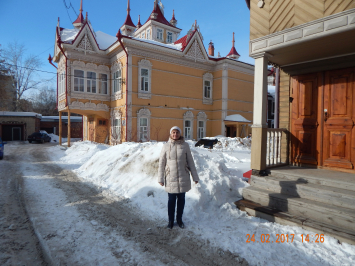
column 201, row 130
column 201, row 125
column 117, row 80
column 103, row 83
column 78, row 80
column 143, row 35
column 61, row 83
column 91, row 82
column 144, row 79
column 188, row 129
column 148, row 33
column 116, row 129
column 169, row 37
column 207, row 88
column 160, row 34
column 143, row 124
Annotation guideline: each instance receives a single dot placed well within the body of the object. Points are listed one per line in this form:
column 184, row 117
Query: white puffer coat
column 175, row 165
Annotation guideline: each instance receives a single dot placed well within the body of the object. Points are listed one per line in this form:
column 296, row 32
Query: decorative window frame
column 162, row 34
column 98, row 69
column 172, row 37
column 190, row 117
column 201, row 116
column 116, row 114
column 146, row 65
column 207, row 77
column 149, row 34
column 143, row 113
column 118, row 94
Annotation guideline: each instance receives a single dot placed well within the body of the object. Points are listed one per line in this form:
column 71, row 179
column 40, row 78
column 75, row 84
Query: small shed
column 237, row 126
column 18, row 125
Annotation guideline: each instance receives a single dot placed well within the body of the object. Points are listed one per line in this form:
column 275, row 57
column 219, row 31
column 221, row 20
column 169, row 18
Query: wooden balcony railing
column 277, row 147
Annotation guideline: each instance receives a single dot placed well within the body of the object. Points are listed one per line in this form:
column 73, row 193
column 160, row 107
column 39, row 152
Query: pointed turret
column 139, row 22
column 173, row 21
column 233, row 52
column 128, row 26
column 154, row 14
column 79, row 22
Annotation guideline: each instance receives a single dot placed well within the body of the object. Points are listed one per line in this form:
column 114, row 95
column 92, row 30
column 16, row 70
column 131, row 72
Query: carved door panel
column 339, row 118
column 304, row 119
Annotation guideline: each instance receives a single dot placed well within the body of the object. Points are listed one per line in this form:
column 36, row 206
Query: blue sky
column 33, row 22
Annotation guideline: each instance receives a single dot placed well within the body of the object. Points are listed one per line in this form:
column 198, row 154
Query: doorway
column 323, row 119
column 16, row 133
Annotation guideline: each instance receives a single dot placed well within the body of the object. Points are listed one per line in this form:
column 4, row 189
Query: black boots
column 180, row 224
column 170, row 225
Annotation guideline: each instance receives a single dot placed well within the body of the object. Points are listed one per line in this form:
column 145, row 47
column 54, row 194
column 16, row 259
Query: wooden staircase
column 318, row 200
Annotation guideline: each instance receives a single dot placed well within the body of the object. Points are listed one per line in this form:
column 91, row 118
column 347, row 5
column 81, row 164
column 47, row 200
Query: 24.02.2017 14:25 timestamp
column 288, row 238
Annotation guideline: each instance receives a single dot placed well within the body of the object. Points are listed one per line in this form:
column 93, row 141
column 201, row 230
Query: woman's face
column 175, row 134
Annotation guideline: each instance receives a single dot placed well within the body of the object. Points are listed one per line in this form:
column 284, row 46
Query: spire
column 79, row 22
column 128, row 26
column 233, row 52
column 154, row 14
column 173, row 21
column 139, row 22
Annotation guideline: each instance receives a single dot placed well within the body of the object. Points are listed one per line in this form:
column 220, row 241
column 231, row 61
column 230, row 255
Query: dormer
column 128, row 26
column 233, row 54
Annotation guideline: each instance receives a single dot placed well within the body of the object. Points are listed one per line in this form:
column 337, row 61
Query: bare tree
column 22, row 69
column 44, row 101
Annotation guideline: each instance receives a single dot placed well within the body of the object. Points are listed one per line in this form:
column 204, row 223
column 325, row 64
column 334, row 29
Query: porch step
column 285, row 218
column 302, row 207
column 323, row 177
column 301, row 188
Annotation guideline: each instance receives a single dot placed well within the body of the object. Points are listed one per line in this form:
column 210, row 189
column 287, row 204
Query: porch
column 318, row 200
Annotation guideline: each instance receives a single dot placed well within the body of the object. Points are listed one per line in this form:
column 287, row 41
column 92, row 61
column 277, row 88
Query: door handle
column 325, row 115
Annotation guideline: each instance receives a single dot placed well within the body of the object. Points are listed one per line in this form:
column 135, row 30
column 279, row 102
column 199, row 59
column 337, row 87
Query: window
column 91, row 82
column 78, row 80
column 103, row 87
column 207, row 88
column 116, row 132
column 201, row 129
column 102, row 122
column 117, row 81
column 169, row 37
column 144, row 80
column 143, row 129
column 160, row 34
column 207, row 92
column 61, row 83
column 148, row 33
column 143, row 35
column 187, row 130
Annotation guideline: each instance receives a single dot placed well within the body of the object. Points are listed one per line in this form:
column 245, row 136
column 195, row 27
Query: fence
column 277, row 143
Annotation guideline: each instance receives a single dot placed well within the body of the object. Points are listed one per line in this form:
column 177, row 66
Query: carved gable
column 85, row 44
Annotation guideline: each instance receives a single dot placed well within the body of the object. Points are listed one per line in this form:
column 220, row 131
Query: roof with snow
column 236, row 118
column 64, row 118
column 6, row 113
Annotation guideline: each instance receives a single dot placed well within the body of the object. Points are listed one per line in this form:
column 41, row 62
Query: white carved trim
column 189, row 116
column 115, row 66
column 116, row 114
column 326, row 26
column 207, row 77
column 89, row 106
column 201, row 116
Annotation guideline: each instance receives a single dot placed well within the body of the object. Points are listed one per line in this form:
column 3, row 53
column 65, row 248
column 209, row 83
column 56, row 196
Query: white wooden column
column 259, row 127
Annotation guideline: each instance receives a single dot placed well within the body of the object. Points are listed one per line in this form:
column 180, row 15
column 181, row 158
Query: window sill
column 116, row 96
column 207, row 101
column 144, row 95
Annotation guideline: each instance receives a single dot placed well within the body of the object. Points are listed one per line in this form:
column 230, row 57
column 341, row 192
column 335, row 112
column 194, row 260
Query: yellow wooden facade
column 176, row 78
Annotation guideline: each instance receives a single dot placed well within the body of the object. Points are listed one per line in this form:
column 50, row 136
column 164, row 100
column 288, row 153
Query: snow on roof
column 168, row 45
column 236, row 118
column 104, row 40
column 68, row 35
column 56, row 118
column 6, row 113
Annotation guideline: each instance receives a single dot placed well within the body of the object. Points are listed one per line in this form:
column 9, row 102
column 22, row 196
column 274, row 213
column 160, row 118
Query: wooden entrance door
column 305, row 119
column 339, row 119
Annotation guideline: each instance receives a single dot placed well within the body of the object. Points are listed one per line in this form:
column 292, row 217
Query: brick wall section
column 284, row 110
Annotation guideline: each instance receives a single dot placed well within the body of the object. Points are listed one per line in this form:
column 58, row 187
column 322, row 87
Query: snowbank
column 130, row 170
column 55, row 138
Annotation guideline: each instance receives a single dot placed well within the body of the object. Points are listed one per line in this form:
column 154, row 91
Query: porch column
column 68, row 128
column 259, row 127
column 60, row 128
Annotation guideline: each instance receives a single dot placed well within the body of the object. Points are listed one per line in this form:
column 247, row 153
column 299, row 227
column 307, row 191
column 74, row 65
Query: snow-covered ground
column 55, row 138
column 130, row 170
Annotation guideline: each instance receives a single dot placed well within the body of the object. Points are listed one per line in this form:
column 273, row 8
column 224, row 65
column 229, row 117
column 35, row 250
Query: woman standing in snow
column 175, row 165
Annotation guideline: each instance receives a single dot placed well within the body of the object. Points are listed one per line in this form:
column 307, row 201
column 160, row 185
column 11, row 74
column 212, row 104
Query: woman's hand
column 162, row 184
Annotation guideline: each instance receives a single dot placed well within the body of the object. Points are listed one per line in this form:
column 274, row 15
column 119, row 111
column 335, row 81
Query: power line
column 70, row 6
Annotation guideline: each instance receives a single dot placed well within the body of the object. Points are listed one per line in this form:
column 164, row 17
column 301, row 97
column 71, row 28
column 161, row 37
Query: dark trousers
column 180, row 205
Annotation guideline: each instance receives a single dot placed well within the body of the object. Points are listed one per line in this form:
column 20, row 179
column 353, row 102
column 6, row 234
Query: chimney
column 211, row 49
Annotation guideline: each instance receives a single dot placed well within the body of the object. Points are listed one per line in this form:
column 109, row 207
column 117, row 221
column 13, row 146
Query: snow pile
column 130, row 170
column 55, row 138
